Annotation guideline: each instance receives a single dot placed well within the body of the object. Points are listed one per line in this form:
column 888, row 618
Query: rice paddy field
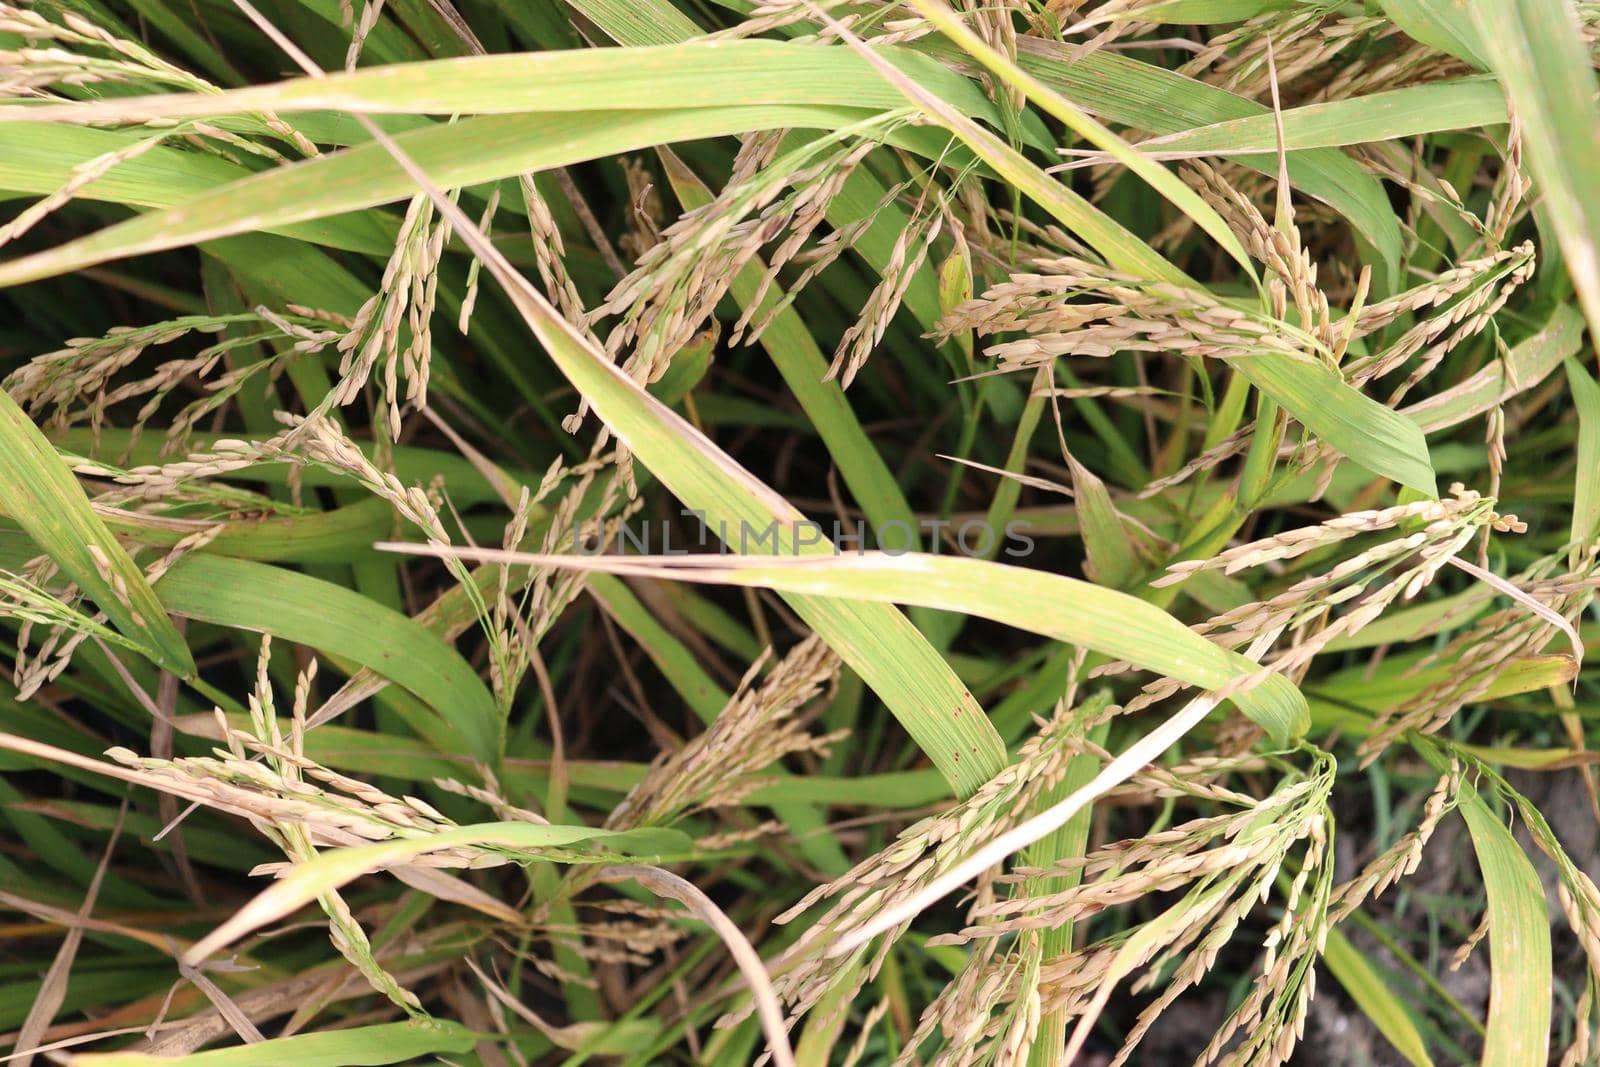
column 799, row 532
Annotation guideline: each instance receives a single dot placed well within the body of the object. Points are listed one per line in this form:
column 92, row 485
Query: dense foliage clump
column 808, row 531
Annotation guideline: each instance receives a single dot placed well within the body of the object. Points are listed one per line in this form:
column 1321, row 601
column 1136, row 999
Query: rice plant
column 825, row 532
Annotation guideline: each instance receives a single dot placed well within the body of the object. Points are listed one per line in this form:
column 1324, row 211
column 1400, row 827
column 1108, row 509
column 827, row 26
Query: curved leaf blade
column 664, row 78
column 1366, row 986
column 41, row 494
column 1536, row 49
column 469, row 152
column 1519, row 942
column 361, row 1046
column 1075, row 612
column 308, row 611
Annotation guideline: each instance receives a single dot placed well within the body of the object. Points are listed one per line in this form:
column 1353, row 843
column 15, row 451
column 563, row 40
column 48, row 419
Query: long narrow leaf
column 1366, row 986
column 1079, row 613
column 667, row 78
column 1519, row 942
column 41, row 494
column 334, row 620
column 355, row 1047
column 1433, row 107
column 1535, row 48
column 482, row 149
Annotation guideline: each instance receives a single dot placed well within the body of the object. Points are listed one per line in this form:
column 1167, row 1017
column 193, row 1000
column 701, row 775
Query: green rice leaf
column 1439, row 25
column 1080, row 613
column 40, row 493
column 662, row 78
column 1432, row 107
column 1204, row 12
column 1373, row 435
column 344, row 624
column 1372, row 993
column 353, row 1047
column 639, row 21
column 1104, row 540
column 1519, row 942
column 1586, row 493
column 469, row 152
column 1535, row 48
